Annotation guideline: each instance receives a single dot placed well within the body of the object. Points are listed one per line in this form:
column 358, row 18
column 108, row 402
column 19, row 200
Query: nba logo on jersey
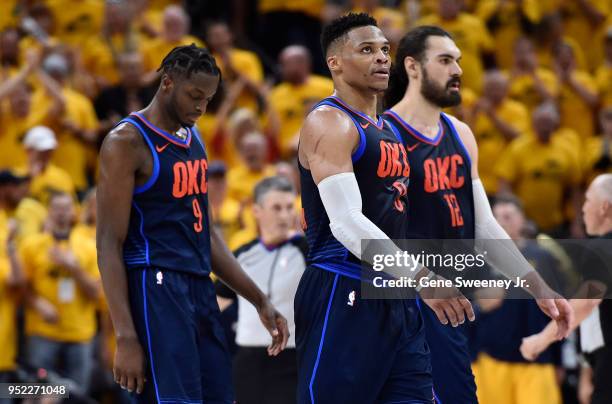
column 351, row 299
column 159, row 277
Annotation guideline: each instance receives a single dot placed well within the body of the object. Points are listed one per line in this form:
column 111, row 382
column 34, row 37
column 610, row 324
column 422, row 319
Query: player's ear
column 333, row 63
column 166, row 82
column 411, row 66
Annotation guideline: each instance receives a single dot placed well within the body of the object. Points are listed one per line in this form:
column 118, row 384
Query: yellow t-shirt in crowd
column 227, row 218
column 30, row 215
column 248, row 64
column 546, row 54
column 293, row 103
column 508, row 24
column 523, row 90
column 76, row 312
column 241, row 181
column 76, row 21
column 603, row 80
column 492, row 143
column 99, row 54
column 10, row 11
column 72, row 154
column 578, row 26
column 472, row 38
column 309, row 7
column 12, row 152
column 155, row 50
column 575, row 112
column 540, row 174
column 594, row 158
column 8, row 326
column 52, row 179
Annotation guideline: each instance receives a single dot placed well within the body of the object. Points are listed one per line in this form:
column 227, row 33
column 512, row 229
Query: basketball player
column 446, row 197
column 353, row 350
column 157, row 245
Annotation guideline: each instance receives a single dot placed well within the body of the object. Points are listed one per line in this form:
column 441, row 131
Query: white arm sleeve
column 342, row 201
column 503, row 255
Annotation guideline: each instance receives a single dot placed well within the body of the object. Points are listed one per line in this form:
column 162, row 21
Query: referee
column 275, row 261
column 592, row 306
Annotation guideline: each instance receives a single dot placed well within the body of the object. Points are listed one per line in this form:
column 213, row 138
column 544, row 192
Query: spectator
column 129, row 95
column 578, row 98
column 502, row 371
column 298, row 89
column 541, row 169
column 242, row 179
column 174, row 33
column 592, row 304
column 505, row 19
column 598, row 149
column 63, row 292
column 496, row 120
column 529, row 84
column 9, row 51
column 20, row 114
column 11, row 284
column 27, row 213
column 225, row 210
column 275, row 261
column 76, row 21
column 235, row 64
column 603, row 74
column 548, row 35
column 471, row 36
column 40, row 144
column 117, row 37
column 75, row 128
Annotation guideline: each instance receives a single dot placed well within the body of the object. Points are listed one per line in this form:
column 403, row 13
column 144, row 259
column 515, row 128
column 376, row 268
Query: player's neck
column 362, row 101
column 159, row 117
column 419, row 113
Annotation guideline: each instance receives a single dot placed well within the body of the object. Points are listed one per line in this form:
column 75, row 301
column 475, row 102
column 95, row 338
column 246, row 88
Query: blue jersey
column 440, row 199
column 168, row 225
column 381, row 167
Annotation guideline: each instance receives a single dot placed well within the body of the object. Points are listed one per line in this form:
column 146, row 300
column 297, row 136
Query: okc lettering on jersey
column 390, row 164
column 437, row 176
column 186, row 174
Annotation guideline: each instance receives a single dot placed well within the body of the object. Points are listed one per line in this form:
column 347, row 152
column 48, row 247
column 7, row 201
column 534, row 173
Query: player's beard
column 442, row 97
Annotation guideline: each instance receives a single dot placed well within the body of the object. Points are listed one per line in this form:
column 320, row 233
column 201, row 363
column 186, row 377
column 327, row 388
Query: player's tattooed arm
column 225, row 266
column 121, row 158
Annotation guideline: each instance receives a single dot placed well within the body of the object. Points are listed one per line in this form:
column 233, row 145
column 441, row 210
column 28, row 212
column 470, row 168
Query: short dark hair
column 413, row 44
column 188, row 59
column 276, row 183
column 508, row 199
column 342, row 25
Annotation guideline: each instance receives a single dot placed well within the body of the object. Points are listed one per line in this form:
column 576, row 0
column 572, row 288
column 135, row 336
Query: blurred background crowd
column 536, row 87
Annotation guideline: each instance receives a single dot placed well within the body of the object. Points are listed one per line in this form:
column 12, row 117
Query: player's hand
column 533, row 346
column 449, row 304
column 559, row 310
column 276, row 325
column 129, row 366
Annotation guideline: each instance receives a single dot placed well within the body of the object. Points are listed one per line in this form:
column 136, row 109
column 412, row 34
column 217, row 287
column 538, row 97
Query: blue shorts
column 450, row 359
column 351, row 350
column 177, row 319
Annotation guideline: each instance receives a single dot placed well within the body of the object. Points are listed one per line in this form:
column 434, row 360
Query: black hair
column 341, row 25
column 188, row 59
column 276, row 183
column 413, row 44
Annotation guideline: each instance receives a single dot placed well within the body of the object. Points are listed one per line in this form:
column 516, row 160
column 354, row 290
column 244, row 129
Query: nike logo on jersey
column 162, row 148
column 365, row 126
column 411, row 148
